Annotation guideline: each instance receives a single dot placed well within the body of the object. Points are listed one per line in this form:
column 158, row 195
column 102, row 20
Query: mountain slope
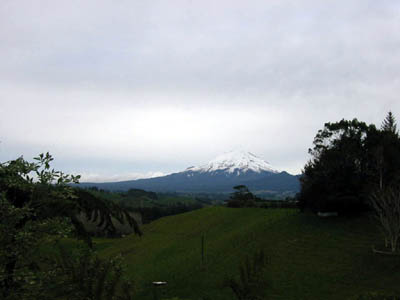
column 217, row 176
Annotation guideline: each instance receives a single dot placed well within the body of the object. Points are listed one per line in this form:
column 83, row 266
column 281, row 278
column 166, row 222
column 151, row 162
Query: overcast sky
column 121, row 89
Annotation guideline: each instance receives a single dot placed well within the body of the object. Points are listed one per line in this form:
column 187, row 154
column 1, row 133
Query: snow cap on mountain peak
column 236, row 160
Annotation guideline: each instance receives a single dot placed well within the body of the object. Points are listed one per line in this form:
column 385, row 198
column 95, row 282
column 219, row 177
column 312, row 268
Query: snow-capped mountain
column 220, row 175
column 235, row 162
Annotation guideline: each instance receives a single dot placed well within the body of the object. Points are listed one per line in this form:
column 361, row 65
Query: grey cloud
column 90, row 62
column 206, row 46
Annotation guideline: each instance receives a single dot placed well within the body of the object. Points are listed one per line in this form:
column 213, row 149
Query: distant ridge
column 217, row 176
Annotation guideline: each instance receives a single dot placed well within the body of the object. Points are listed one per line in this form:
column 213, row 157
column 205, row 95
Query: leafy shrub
column 82, row 274
column 251, row 283
column 33, row 212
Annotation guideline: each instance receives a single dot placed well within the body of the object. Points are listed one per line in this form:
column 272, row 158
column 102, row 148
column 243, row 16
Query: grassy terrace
column 310, row 258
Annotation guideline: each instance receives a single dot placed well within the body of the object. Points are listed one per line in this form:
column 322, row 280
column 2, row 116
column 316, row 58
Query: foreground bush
column 37, row 204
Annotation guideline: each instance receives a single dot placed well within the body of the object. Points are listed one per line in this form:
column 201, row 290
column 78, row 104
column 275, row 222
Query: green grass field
column 310, row 258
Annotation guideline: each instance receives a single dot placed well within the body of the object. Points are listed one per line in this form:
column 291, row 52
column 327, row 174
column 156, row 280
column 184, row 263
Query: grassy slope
column 310, row 258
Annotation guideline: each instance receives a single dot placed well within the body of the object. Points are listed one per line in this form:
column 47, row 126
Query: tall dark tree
column 334, row 177
column 389, row 124
column 388, row 152
column 350, row 160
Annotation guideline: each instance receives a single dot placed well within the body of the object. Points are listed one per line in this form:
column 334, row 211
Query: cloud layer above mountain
column 120, row 87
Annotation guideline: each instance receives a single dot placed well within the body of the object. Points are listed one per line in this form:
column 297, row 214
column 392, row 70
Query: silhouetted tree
column 389, row 124
column 333, row 179
column 350, row 160
column 241, row 197
column 389, row 153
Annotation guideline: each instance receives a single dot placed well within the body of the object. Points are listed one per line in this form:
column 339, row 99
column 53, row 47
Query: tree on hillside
column 333, row 178
column 350, row 160
column 32, row 209
column 241, row 197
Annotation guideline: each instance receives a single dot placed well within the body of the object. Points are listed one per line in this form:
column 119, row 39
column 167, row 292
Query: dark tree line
column 350, row 160
column 150, row 214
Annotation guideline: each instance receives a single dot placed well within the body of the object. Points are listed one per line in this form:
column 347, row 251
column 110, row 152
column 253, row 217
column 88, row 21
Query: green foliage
column 21, row 273
column 25, row 221
column 75, row 274
column 241, row 197
column 350, row 159
column 150, row 214
column 101, row 212
column 333, row 179
column 131, row 199
column 251, row 284
column 136, row 198
column 37, row 205
column 151, row 206
column 81, row 274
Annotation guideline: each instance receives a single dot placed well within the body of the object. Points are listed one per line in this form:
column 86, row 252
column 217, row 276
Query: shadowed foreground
column 309, row 257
